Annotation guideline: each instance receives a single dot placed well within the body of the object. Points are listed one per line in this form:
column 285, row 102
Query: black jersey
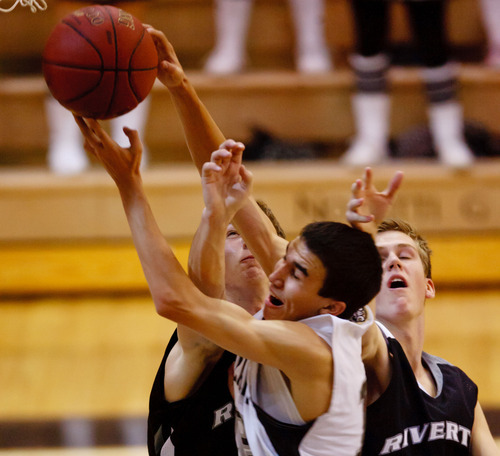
column 407, row 421
column 200, row 425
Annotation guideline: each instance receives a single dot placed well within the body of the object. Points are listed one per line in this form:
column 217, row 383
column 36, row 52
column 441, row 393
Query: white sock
column 232, row 18
column 312, row 52
column 446, row 125
column 65, row 149
column 371, row 118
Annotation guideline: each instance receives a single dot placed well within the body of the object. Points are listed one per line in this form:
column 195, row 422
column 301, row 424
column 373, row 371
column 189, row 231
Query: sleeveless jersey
column 267, row 420
column 405, row 420
column 202, row 424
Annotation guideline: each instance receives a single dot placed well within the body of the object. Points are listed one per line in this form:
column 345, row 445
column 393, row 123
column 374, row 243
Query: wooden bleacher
column 271, row 95
column 37, row 206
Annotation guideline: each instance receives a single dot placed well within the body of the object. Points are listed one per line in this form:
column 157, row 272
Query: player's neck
column 410, row 334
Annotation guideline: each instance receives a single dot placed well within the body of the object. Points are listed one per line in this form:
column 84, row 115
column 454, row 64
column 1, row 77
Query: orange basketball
column 99, row 62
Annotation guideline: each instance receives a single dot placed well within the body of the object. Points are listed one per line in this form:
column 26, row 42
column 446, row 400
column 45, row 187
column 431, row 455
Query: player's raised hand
column 368, row 207
column 121, row 163
column 226, row 182
column 170, row 71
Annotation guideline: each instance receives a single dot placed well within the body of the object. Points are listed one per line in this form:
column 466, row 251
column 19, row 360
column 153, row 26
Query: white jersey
column 267, row 420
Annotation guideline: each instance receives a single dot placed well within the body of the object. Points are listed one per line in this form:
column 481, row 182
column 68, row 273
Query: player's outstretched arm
column 191, row 356
column 122, row 164
column 289, row 346
column 254, row 226
column 203, row 136
column 367, row 206
column 194, row 354
column 206, row 258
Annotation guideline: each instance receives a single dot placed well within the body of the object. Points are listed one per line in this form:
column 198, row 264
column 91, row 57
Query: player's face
column 241, row 266
column 404, row 286
column 295, row 283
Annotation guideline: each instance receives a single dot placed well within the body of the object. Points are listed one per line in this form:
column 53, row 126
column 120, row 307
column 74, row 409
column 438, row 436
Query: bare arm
column 206, row 257
column 375, row 355
column 482, row 441
column 366, row 209
column 203, row 136
column 289, row 346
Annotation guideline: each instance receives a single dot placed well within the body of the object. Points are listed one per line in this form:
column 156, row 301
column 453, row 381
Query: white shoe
column 364, row 153
column 223, row 62
column 315, row 62
column 455, row 153
column 67, row 158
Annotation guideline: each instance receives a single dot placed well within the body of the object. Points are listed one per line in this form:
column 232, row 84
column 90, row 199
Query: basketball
column 99, row 62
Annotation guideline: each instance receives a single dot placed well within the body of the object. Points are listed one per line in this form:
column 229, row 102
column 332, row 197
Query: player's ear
column 332, row 307
column 430, row 290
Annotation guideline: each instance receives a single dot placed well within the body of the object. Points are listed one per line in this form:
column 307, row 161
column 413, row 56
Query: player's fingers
column 81, row 123
column 246, row 176
column 367, row 177
column 135, row 143
column 394, row 184
column 84, row 128
column 354, row 203
column 356, row 188
column 228, row 144
column 89, row 148
column 237, row 151
column 353, row 217
column 97, row 130
column 220, row 155
column 90, row 129
column 209, row 170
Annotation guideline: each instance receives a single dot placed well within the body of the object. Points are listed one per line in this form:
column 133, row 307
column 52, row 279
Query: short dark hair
column 424, row 250
column 351, row 260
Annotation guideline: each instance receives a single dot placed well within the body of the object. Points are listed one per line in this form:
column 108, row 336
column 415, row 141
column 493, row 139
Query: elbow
column 168, row 305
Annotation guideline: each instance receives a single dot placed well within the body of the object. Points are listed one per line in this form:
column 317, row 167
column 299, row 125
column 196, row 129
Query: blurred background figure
column 232, row 18
column 371, row 62
column 490, row 10
column 65, row 151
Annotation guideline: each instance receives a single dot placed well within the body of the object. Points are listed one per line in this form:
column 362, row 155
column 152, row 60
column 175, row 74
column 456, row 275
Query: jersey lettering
column 223, row 415
column 438, row 430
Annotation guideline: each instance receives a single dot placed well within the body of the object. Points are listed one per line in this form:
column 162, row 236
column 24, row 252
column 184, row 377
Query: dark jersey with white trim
column 405, row 420
column 200, row 425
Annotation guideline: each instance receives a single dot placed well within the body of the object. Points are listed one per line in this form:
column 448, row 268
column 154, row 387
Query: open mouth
column 275, row 301
column 397, row 283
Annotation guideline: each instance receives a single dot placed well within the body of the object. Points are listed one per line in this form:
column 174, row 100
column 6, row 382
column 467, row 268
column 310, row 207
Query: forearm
column 206, row 257
column 161, row 268
column 202, row 134
column 260, row 235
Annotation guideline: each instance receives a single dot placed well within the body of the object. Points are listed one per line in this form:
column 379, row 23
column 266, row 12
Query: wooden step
column 189, row 24
column 287, row 104
column 36, row 205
